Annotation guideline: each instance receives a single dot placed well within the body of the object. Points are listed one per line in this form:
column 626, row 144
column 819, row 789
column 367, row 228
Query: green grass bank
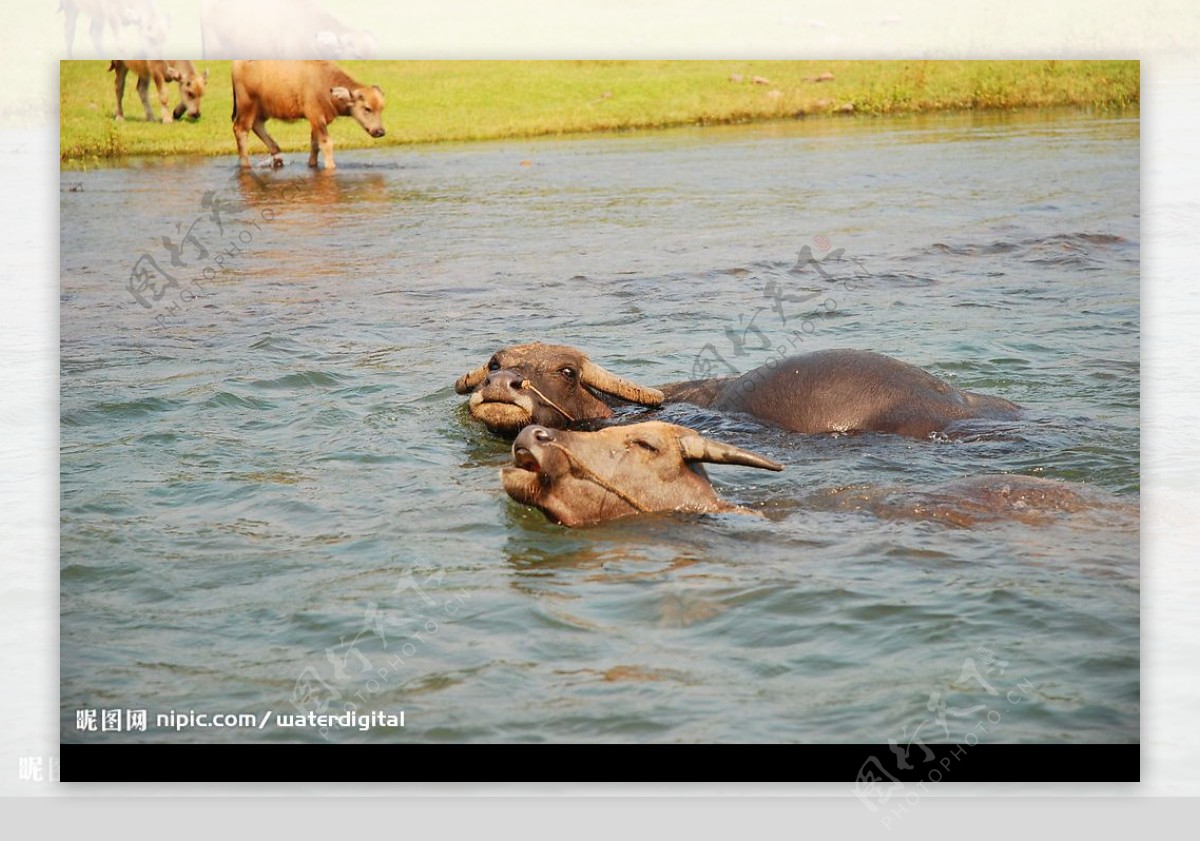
column 432, row 101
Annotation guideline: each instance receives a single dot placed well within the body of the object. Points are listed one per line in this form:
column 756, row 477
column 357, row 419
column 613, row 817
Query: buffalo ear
column 341, row 95
column 696, row 448
column 470, row 380
column 605, row 381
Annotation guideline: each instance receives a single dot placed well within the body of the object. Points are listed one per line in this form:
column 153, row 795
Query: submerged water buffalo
column 581, row 478
column 841, row 391
column 191, row 86
column 318, row 91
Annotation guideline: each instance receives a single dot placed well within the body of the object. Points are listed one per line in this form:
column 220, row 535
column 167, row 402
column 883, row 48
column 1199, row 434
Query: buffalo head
column 582, row 478
column 363, row 104
column 551, row 385
column 191, row 91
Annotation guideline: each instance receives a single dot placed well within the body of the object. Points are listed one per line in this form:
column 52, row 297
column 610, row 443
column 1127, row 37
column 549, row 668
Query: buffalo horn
column 605, row 381
column 699, row 449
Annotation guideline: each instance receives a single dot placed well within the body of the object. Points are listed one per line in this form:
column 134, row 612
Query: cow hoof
column 120, row 118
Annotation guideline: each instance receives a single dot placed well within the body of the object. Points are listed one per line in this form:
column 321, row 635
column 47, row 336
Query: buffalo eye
column 645, row 445
column 569, row 373
column 493, row 364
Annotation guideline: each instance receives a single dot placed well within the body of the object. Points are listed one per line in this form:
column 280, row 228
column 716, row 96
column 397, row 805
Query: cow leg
column 164, row 95
column 326, row 144
column 260, row 129
column 122, row 71
column 239, row 134
column 143, row 89
column 313, row 146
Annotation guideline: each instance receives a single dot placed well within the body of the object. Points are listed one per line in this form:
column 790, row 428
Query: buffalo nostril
column 541, row 434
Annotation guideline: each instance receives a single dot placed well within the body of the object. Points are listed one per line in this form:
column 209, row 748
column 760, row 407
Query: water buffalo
column 551, row 385
column 841, row 391
column 582, row 478
column 579, row 478
column 191, row 86
column 318, row 91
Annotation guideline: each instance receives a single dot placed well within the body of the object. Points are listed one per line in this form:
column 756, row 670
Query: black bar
column 867, row 765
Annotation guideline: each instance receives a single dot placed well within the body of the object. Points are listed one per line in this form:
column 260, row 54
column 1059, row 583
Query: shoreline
column 531, row 100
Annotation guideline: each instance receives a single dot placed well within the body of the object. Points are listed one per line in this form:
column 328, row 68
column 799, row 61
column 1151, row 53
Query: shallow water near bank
column 272, row 499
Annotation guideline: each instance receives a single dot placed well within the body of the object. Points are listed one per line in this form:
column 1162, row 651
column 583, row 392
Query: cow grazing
column 318, row 91
column 579, row 478
column 839, row 391
column 191, row 86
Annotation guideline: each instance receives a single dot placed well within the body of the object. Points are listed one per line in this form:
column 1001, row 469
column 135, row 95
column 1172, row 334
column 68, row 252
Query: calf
column 191, row 86
column 318, row 91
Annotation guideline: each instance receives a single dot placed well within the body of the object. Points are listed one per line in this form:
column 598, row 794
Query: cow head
column 582, row 478
column 363, row 104
column 191, row 91
column 544, row 384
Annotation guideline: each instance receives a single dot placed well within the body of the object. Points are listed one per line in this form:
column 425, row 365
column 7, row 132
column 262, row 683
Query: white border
column 1163, row 35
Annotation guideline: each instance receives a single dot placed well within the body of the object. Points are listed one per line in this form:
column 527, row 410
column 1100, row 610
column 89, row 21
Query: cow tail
column 233, row 117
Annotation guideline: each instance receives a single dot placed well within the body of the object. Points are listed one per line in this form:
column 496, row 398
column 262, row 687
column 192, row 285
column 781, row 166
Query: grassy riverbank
column 430, row 101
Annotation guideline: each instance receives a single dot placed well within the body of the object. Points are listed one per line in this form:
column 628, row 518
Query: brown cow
column 585, row 478
column 318, row 91
column 836, row 391
column 191, row 86
column 578, row 479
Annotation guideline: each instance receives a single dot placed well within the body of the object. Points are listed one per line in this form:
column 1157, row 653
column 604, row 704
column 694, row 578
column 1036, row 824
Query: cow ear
column 341, row 95
column 204, row 75
column 379, row 89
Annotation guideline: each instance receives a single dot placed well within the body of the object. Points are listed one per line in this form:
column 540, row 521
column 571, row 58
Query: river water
column 272, row 499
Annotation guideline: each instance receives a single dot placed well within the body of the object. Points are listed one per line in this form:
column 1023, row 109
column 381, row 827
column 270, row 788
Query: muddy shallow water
column 272, row 499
